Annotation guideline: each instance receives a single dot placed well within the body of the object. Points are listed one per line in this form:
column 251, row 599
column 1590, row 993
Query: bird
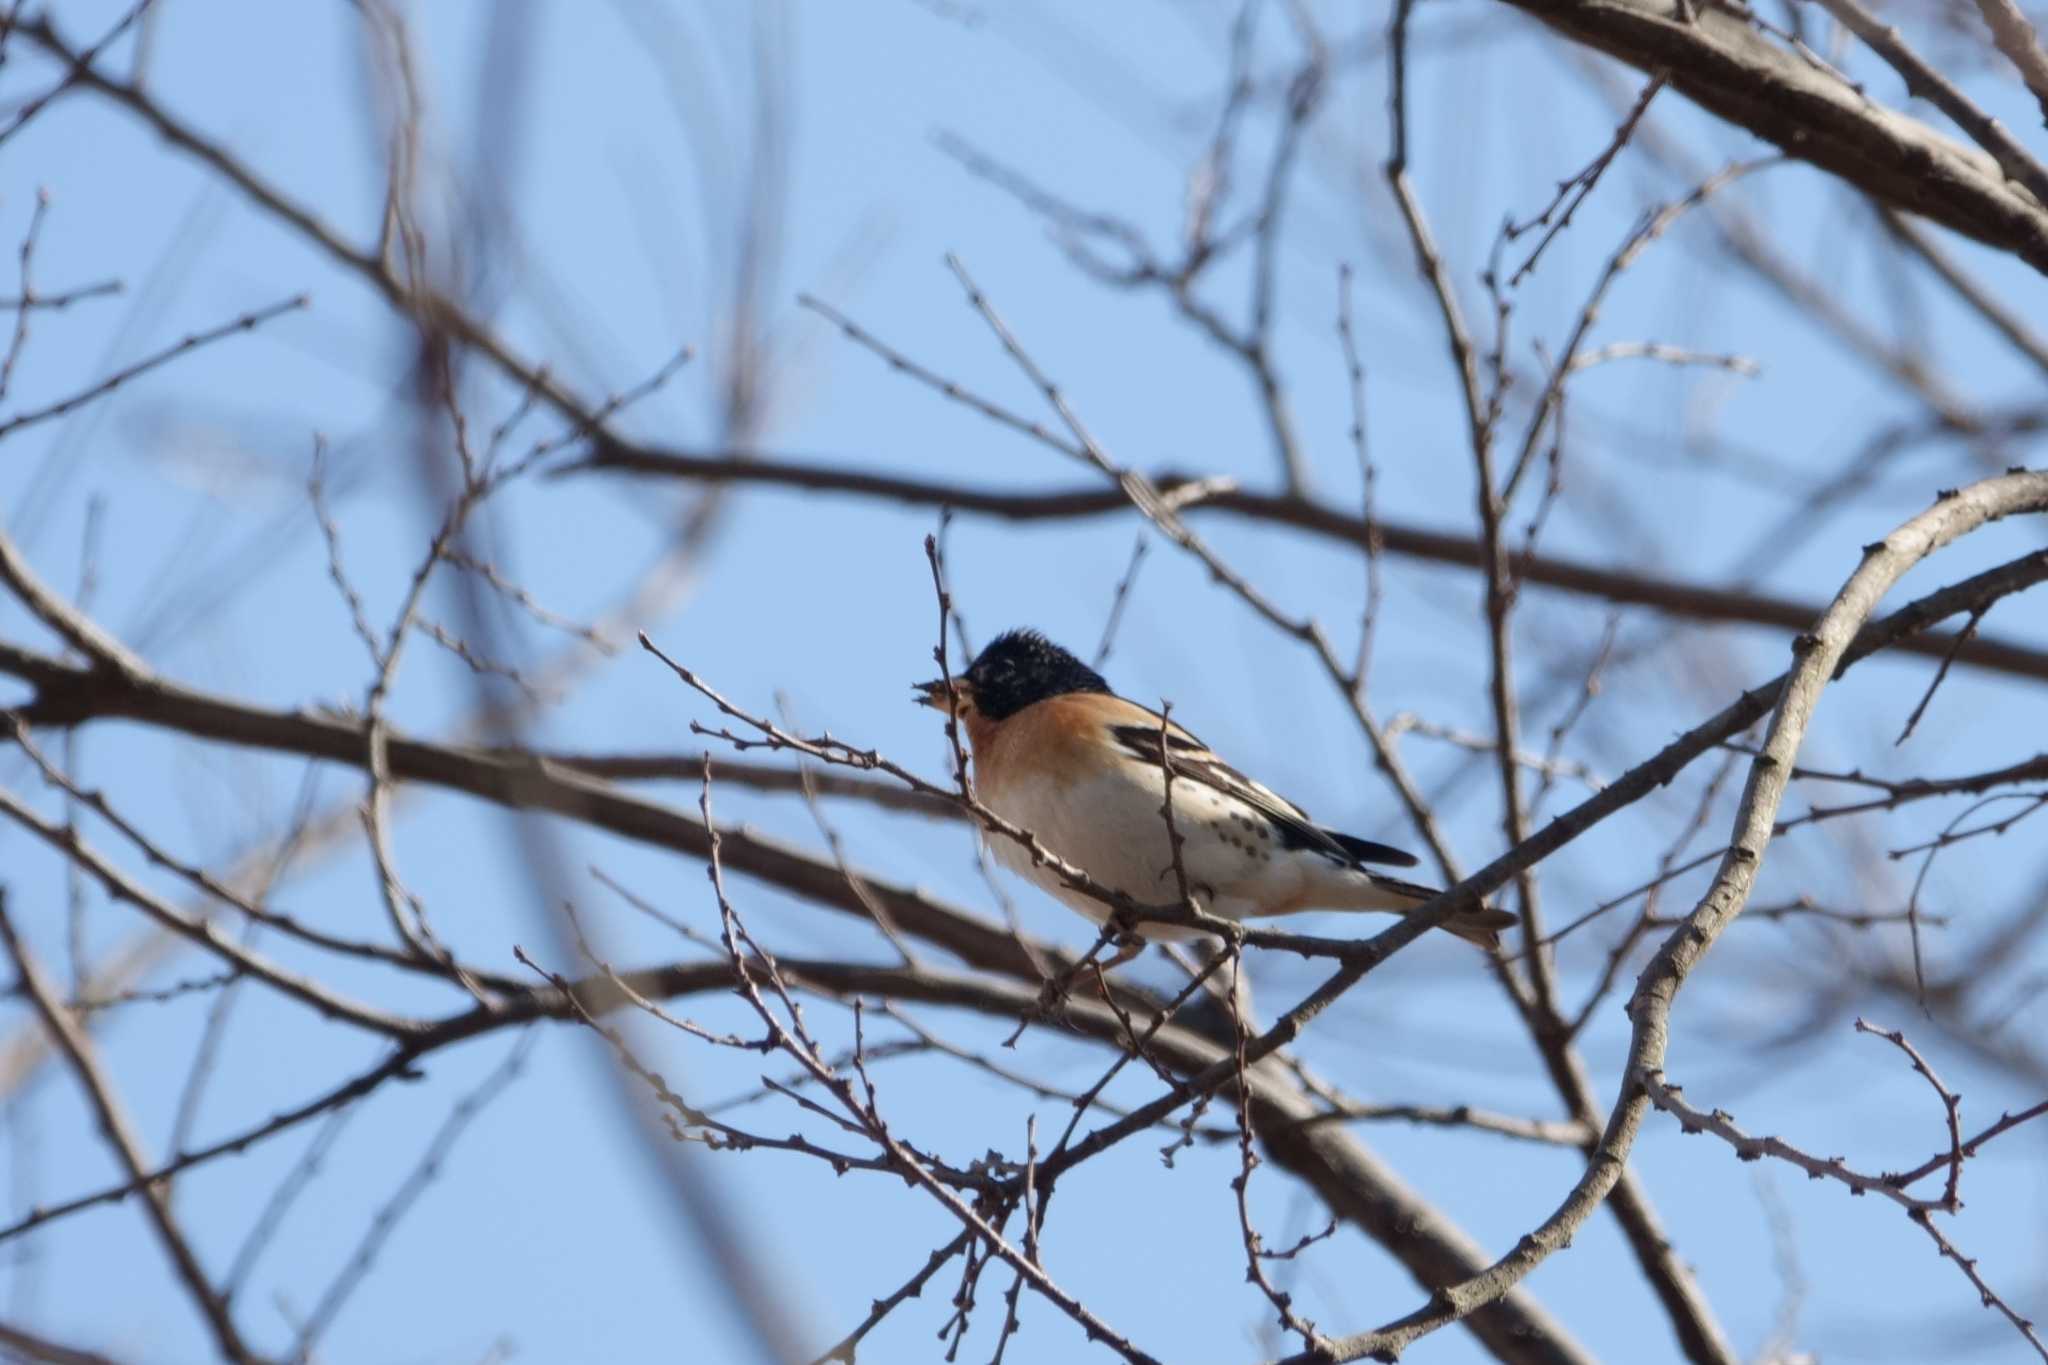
column 1060, row 755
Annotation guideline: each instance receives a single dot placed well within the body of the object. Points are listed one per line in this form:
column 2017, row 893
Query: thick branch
column 1721, row 63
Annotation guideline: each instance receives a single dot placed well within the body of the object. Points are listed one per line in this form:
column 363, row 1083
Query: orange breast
column 1060, row 737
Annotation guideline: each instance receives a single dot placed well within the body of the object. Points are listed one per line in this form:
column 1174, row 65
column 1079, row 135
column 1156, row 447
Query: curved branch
column 1821, row 653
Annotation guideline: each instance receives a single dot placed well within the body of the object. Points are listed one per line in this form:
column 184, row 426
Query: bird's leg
column 1128, row 946
column 1052, row 993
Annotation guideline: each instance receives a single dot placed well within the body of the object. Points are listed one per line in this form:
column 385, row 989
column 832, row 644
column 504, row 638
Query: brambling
column 1060, row 755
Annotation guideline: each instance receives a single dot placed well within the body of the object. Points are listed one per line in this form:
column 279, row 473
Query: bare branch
column 127, row 1147
column 1819, row 655
column 1925, row 81
column 1689, row 600
column 2021, row 45
column 1720, row 60
column 246, row 322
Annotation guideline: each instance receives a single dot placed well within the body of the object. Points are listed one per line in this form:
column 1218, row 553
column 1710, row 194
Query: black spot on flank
column 1020, row 667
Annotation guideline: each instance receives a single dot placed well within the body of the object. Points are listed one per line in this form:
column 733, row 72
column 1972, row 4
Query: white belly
column 1110, row 827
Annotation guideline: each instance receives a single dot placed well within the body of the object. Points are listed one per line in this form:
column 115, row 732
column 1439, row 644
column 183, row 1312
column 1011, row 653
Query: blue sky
column 551, row 1229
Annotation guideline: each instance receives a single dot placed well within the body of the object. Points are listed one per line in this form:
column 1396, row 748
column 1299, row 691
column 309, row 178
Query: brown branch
column 1255, row 1250
column 428, row 1168
column 127, row 1146
column 102, row 650
column 864, row 1116
column 1721, row 1124
column 1934, row 685
column 37, row 301
column 1952, row 1109
column 1724, row 64
column 1375, row 541
column 765, row 777
column 24, row 300
column 1926, row 82
column 1117, row 601
column 68, row 695
column 1692, row 601
column 1692, row 1319
column 1900, row 791
column 1295, row 1128
column 2006, row 1123
column 1550, row 1132
column 1572, row 192
column 414, row 300
column 882, row 1307
column 42, row 1350
column 1429, row 260
column 1820, row 655
column 1993, row 310
column 1132, row 1044
column 1805, row 907
column 246, row 322
column 1203, row 246
column 31, row 107
column 304, row 989
column 1342, row 1173
column 1653, row 226
column 1986, row 1295
column 1919, row 1211
column 204, row 882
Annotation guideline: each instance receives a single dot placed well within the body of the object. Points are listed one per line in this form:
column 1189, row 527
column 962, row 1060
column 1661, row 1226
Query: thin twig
column 1254, row 1246
column 1117, row 601
column 26, row 299
column 1920, row 708
column 1951, row 1103
column 386, row 1219
column 1572, row 192
column 245, row 322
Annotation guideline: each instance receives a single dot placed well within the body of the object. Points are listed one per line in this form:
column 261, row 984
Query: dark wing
column 1193, row 761
column 1366, row 851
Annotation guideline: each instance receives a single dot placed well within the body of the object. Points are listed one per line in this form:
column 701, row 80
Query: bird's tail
column 1480, row 925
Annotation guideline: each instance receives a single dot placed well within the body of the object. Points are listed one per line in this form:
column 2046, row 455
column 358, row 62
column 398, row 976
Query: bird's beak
column 933, row 693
